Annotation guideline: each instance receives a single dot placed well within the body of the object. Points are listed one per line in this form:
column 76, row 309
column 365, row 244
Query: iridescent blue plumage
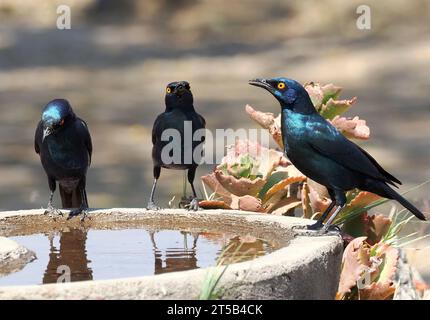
column 323, row 154
column 56, row 110
column 64, row 144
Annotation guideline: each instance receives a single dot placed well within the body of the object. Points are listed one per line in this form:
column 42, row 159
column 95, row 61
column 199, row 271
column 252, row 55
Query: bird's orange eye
column 281, row 85
column 168, row 90
column 61, row 122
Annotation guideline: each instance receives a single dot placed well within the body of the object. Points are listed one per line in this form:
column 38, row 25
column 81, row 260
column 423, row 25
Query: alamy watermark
column 64, row 19
column 65, row 274
column 364, row 20
column 204, row 146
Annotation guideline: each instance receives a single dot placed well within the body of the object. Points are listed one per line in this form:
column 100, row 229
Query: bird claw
column 53, row 212
column 193, row 205
column 317, row 231
column 332, row 228
column 299, row 227
column 152, row 206
column 80, row 211
column 185, row 202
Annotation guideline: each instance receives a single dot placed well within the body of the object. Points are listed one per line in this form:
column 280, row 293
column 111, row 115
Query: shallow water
column 107, row 254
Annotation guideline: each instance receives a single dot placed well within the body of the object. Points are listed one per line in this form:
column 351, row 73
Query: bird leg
column 328, row 225
column 83, row 209
column 51, row 210
column 319, row 224
column 151, row 204
column 194, row 204
column 337, row 199
column 152, row 237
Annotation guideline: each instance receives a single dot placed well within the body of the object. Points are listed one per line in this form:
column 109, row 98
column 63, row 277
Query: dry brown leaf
column 315, row 93
column 283, row 206
column 377, row 291
column 264, row 119
column 268, row 121
column 270, row 162
column 213, row 204
column 319, row 188
column 211, row 181
column 248, row 203
column 373, row 227
column 318, row 92
column 318, row 204
column 363, row 199
column 306, row 202
column 333, row 108
column 383, row 288
column 377, row 227
column 282, row 185
column 239, row 187
column 245, row 202
column 355, row 262
column 267, row 159
column 352, row 128
column 273, row 201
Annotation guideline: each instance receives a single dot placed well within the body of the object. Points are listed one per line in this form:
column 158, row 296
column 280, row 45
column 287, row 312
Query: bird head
column 178, row 95
column 290, row 94
column 55, row 116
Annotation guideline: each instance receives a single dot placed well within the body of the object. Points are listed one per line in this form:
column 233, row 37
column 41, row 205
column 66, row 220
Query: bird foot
column 83, row 211
column 332, row 228
column 194, row 205
column 53, row 212
column 152, row 206
column 317, row 230
column 185, row 202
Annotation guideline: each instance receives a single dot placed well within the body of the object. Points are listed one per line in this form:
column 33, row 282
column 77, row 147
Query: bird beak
column 46, row 133
column 180, row 90
column 262, row 83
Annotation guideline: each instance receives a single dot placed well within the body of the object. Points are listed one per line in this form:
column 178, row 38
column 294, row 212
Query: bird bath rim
column 292, row 272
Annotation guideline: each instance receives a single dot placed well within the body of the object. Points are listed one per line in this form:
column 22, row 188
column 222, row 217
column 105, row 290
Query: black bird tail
column 382, row 189
column 70, row 199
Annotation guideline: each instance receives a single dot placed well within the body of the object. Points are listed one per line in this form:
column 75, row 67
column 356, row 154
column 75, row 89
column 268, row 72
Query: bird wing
column 157, row 128
column 38, row 137
column 85, row 135
column 329, row 142
column 202, row 120
column 162, row 122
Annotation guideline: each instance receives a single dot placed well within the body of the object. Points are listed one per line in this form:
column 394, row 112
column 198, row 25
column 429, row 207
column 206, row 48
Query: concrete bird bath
column 294, row 267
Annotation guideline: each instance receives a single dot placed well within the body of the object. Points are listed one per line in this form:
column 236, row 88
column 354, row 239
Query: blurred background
column 115, row 61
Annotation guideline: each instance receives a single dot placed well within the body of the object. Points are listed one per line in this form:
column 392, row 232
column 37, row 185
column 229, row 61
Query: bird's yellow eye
column 281, row 85
column 168, row 90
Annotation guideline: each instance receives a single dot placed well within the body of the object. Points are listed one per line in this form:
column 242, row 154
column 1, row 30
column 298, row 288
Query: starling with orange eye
column 64, row 145
column 172, row 147
column 324, row 154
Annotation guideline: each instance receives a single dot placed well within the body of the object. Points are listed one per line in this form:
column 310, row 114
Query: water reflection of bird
column 179, row 111
column 63, row 142
column 72, row 255
column 176, row 259
column 323, row 154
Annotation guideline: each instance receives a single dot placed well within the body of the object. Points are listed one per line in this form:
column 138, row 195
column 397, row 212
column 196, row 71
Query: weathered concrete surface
column 13, row 256
column 308, row 268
